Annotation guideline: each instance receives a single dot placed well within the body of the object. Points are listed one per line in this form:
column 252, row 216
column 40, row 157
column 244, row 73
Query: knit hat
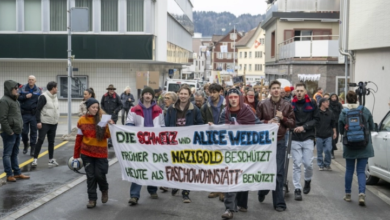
column 287, row 89
column 90, row 102
column 292, row 88
column 147, row 89
column 233, row 90
column 321, row 101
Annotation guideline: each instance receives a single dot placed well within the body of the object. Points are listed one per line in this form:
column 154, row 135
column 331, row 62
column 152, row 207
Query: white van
column 173, row 85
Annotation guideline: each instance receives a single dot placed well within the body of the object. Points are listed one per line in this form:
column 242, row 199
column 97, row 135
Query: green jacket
column 10, row 116
column 363, row 153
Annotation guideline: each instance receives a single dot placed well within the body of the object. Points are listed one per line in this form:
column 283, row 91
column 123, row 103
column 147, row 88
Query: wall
column 374, row 30
column 100, row 75
column 250, row 47
column 373, row 65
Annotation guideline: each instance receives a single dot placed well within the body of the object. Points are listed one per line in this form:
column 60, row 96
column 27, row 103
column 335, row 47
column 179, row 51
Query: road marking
column 40, row 155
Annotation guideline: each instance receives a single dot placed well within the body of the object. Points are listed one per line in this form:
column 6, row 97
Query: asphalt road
column 325, row 201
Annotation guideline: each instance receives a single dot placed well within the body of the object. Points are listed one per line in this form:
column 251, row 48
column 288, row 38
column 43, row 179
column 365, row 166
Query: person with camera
column 91, row 146
column 356, row 153
column 127, row 101
column 28, row 99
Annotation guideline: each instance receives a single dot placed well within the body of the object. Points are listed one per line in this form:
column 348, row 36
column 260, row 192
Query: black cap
column 90, row 102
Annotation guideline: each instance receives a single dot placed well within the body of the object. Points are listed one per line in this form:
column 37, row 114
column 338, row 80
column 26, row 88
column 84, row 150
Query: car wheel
column 370, row 180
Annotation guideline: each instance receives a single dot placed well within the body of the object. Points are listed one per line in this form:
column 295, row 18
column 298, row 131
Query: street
column 325, row 200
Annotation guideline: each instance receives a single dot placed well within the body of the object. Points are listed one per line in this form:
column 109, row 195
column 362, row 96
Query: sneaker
column 105, row 196
column 53, row 163
column 186, row 199
column 321, row 169
column 261, row 198
column 306, row 188
column 133, row 201
column 347, row 197
column 298, row 195
column 91, row 204
column 241, row 209
column 328, row 168
column 154, row 196
column 174, row 191
column 227, row 214
column 34, row 163
column 362, row 199
column 280, row 209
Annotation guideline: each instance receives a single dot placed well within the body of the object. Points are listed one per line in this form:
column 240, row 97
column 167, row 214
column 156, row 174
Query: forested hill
column 209, row 23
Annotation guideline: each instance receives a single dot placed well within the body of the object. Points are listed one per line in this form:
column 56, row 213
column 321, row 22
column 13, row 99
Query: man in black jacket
column 302, row 144
column 28, row 99
column 336, row 107
column 111, row 103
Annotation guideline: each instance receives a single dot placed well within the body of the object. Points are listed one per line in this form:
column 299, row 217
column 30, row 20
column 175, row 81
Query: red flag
column 257, row 44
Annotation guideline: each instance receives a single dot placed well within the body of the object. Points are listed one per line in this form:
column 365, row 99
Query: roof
column 299, row 15
column 244, row 40
column 217, row 38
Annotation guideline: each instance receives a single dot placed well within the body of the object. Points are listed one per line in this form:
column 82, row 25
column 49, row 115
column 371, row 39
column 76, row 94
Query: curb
column 47, row 198
column 372, row 189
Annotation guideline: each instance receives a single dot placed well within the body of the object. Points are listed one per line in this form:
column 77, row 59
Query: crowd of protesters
column 313, row 121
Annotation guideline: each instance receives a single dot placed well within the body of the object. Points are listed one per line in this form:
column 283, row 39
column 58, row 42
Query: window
column 258, row 67
column 258, row 54
column 385, row 124
column 273, row 44
column 229, row 55
column 340, row 84
column 244, row 67
column 240, row 66
column 135, row 15
column 86, row 4
column 109, row 13
column 245, row 55
column 79, row 85
column 58, row 15
column 8, row 15
column 250, row 54
column 261, row 40
column 220, row 55
column 32, row 15
column 250, row 67
column 240, row 54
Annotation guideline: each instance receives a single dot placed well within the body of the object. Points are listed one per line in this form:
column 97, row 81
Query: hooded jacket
column 193, row 116
column 10, row 116
column 336, row 107
column 140, row 116
column 207, row 110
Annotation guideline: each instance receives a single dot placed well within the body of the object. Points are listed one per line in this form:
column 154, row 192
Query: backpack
column 356, row 135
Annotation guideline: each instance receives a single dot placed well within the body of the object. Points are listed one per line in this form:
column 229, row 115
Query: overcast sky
column 236, row 7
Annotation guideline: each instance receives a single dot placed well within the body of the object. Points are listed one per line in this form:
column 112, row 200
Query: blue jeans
column 360, row 170
column 324, row 145
column 277, row 194
column 135, row 190
column 10, row 154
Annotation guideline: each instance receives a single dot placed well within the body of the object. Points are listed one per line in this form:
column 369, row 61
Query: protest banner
column 217, row 158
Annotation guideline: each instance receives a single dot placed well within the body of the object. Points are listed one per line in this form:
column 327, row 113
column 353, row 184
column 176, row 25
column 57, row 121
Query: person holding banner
column 183, row 113
column 91, row 146
column 238, row 113
column 277, row 110
column 146, row 114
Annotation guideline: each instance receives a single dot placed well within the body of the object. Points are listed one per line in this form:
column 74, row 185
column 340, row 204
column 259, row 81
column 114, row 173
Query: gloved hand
column 75, row 164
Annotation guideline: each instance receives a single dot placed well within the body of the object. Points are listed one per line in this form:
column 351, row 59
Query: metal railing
column 308, row 47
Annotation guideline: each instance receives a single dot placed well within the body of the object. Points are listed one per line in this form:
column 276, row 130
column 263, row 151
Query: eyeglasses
column 167, row 97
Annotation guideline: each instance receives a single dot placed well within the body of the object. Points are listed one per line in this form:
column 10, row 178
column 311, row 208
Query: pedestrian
column 356, row 157
column 287, row 96
column 91, row 146
column 250, row 99
column 146, row 114
column 111, row 104
column 206, row 90
column 192, row 97
column 48, row 115
column 302, row 144
column 158, row 97
column 88, row 93
column 11, row 122
column 28, row 99
column 183, row 113
column 236, row 112
column 211, row 112
column 336, row 107
column 318, row 95
column 199, row 99
column 326, row 96
column 127, row 102
column 276, row 110
column 342, row 98
column 169, row 99
column 325, row 132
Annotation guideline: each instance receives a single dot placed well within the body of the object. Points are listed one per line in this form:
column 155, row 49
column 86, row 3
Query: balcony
column 302, row 6
column 315, row 46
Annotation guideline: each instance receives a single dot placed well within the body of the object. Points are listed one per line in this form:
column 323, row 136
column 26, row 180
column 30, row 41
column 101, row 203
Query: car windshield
column 175, row 87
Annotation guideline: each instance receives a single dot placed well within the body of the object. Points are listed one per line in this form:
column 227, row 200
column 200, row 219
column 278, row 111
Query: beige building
column 250, row 51
column 302, row 43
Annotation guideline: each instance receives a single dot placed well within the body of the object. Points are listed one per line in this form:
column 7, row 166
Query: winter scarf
column 307, row 104
column 245, row 115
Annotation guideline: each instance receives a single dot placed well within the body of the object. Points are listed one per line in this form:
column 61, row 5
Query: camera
column 361, row 91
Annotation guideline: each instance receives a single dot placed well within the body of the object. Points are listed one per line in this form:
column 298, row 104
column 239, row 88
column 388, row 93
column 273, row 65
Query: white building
column 125, row 36
column 369, row 42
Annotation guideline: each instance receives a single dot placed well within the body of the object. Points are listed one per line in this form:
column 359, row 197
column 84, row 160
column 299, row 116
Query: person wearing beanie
column 145, row 114
column 47, row 116
column 287, row 96
column 91, row 147
column 325, row 132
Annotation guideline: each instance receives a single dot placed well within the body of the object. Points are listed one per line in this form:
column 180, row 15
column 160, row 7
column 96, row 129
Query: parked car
column 378, row 167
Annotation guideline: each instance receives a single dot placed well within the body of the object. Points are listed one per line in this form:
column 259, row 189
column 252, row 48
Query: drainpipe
column 343, row 37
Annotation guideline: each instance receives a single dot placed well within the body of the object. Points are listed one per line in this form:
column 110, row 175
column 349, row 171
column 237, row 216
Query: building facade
column 124, row 37
column 251, row 59
column 223, row 59
column 302, row 43
column 371, row 50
